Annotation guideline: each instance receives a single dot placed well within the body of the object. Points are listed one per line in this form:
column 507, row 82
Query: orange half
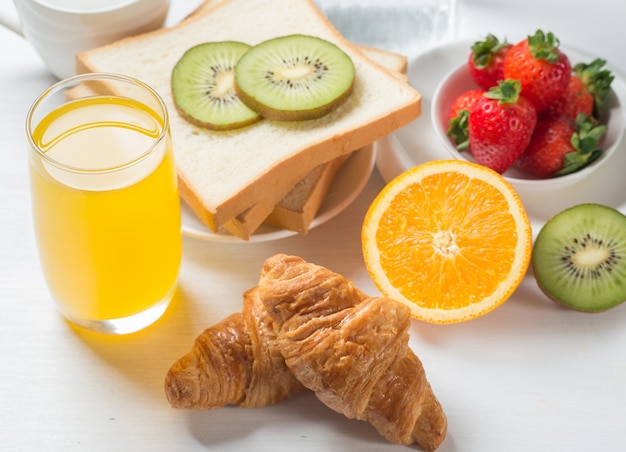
column 450, row 239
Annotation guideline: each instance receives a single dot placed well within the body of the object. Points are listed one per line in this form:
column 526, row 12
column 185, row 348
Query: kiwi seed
column 294, row 77
column 203, row 86
column 579, row 257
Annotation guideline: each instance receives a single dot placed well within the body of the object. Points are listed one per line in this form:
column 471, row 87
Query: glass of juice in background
column 105, row 201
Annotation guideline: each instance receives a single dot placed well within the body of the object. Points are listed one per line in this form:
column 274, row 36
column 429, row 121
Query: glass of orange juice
column 105, row 201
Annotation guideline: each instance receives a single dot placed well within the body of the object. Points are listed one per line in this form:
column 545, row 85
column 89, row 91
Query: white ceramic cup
column 58, row 29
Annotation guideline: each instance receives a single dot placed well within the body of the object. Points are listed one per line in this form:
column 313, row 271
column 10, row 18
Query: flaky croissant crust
column 235, row 362
column 351, row 350
column 305, row 326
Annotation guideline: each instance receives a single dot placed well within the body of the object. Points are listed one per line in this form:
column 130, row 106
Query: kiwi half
column 294, row 77
column 203, row 86
column 579, row 257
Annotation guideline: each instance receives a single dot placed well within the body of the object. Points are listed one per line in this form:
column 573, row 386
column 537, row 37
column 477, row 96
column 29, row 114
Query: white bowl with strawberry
column 528, row 112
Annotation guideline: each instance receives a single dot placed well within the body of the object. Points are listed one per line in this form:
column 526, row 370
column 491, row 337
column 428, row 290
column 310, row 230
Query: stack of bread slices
column 271, row 171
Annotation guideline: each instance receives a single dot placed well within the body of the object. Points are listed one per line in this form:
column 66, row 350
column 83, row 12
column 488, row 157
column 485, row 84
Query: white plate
column 417, row 143
column 347, row 184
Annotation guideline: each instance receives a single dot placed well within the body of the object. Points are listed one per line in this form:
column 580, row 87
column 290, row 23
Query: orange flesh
column 453, row 245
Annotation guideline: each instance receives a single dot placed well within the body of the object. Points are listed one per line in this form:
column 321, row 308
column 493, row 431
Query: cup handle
column 11, row 23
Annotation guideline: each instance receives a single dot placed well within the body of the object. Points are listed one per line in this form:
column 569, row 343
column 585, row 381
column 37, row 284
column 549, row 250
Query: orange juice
column 109, row 234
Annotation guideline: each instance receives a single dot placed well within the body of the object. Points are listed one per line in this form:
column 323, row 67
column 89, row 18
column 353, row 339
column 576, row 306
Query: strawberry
column 585, row 93
column 559, row 147
column 501, row 124
column 597, row 80
column 542, row 69
column 576, row 99
column 457, row 117
column 486, row 61
column 464, row 101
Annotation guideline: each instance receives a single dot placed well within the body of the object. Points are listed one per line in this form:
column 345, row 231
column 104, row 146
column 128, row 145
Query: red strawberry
column 457, row 117
column 559, row 147
column 501, row 124
column 542, row 69
column 464, row 102
column 576, row 99
column 586, row 92
column 596, row 80
column 486, row 61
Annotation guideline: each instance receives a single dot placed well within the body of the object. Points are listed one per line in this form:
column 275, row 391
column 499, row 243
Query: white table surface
column 529, row 376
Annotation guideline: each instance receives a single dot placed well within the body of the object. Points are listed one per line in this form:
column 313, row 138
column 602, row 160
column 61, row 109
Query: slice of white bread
column 222, row 174
column 390, row 60
column 298, row 208
column 303, row 201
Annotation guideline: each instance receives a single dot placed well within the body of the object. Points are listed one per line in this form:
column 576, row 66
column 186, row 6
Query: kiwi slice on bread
column 294, row 77
column 203, row 86
column 579, row 257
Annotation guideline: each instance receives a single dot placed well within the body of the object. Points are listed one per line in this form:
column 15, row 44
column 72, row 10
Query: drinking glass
column 407, row 27
column 105, row 202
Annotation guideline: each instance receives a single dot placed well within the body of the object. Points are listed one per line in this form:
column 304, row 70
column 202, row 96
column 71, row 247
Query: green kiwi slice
column 579, row 257
column 203, row 86
column 294, row 77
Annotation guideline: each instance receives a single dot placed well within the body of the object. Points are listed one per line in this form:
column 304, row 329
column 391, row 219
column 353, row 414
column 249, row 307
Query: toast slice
column 298, row 208
column 222, row 174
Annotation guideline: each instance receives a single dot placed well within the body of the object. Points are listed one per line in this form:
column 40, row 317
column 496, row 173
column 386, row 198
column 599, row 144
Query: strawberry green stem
column 544, row 46
column 484, row 51
column 458, row 130
column 596, row 79
column 586, row 141
column 506, row 92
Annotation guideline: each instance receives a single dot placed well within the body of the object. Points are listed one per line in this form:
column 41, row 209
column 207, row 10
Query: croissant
column 235, row 362
column 305, row 326
column 351, row 350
